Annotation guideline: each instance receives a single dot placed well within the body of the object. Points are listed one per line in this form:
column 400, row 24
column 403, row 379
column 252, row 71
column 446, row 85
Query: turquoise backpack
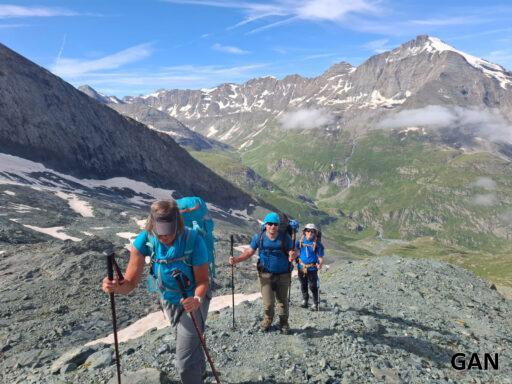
column 198, row 222
column 195, row 215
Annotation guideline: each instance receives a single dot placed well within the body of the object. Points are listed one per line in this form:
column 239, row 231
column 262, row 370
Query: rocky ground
column 387, row 320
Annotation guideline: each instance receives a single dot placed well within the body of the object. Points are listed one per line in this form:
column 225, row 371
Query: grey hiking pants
column 190, row 359
column 274, row 288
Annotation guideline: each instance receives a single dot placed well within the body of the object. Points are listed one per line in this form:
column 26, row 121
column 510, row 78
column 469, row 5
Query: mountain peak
column 431, row 45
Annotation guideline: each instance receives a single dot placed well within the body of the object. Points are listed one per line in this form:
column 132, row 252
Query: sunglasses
column 309, row 230
column 272, row 224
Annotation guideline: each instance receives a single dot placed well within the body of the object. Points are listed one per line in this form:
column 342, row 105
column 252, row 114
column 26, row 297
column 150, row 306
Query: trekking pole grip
column 110, row 266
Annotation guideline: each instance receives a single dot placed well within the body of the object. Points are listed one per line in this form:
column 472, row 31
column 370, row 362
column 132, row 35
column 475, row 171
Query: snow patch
column 158, row 320
column 79, row 206
column 10, row 193
column 212, row 131
column 23, row 167
column 53, row 231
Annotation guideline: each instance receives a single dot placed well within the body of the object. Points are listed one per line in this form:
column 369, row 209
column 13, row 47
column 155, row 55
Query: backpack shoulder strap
column 190, row 242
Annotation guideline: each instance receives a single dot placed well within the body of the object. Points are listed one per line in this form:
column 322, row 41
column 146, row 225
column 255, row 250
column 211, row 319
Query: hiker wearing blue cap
column 275, row 257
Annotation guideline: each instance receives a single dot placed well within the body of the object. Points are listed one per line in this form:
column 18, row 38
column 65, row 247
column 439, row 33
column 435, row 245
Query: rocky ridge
column 45, row 119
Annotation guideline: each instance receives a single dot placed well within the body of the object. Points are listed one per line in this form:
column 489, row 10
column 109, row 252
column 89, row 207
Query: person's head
column 165, row 221
column 271, row 222
column 310, row 231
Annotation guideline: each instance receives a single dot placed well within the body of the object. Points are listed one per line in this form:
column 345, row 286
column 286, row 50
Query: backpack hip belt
column 306, row 266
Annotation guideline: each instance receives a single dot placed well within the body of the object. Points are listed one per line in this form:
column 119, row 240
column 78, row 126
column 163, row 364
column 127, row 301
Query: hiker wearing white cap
column 310, row 260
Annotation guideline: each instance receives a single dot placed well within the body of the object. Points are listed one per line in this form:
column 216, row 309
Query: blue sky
column 135, row 47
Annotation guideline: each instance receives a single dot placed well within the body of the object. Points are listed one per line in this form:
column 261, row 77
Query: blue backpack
column 198, row 222
column 161, row 278
column 196, row 216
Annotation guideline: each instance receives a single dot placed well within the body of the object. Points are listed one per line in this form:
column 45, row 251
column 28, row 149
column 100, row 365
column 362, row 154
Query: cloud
column 122, row 83
column 332, row 10
column 502, row 57
column 485, row 200
column 229, row 49
column 76, row 67
column 309, row 10
column 306, row 119
column 488, row 124
column 485, row 182
column 507, row 217
column 12, row 11
column 377, row 46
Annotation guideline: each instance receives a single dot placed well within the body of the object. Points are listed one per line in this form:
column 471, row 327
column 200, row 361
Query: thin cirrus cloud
column 229, row 49
column 122, row 83
column 72, row 68
column 377, row 46
column 9, row 11
column 290, row 11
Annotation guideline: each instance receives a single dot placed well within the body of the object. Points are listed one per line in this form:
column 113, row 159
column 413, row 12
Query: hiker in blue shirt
column 310, row 260
column 165, row 239
column 275, row 257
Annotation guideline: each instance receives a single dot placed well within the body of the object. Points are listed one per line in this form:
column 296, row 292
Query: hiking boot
column 285, row 327
column 315, row 307
column 304, row 303
column 265, row 324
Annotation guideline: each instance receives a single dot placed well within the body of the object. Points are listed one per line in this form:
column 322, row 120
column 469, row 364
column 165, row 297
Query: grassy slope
column 405, row 188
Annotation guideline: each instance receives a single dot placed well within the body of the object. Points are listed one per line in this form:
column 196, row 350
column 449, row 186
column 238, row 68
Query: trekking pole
column 290, row 285
column 177, row 276
column 111, row 263
column 232, row 284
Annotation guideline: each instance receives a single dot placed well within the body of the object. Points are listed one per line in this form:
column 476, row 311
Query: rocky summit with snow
column 419, row 73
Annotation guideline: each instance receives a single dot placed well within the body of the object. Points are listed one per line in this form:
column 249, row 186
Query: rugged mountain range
column 46, row 120
column 419, row 73
column 157, row 120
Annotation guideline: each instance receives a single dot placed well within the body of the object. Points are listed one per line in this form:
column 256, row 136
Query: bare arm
column 131, row 276
column 201, row 277
column 247, row 254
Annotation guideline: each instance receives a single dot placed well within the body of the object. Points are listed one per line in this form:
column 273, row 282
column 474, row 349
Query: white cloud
column 306, row 119
column 507, row 217
column 76, row 67
column 122, row 83
column 310, row 10
column 485, row 182
column 229, row 49
column 12, row 11
column 488, row 124
column 332, row 10
column 378, row 46
column 502, row 57
column 485, row 200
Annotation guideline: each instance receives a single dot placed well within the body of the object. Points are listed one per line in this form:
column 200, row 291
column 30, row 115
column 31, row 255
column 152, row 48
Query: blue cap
column 272, row 217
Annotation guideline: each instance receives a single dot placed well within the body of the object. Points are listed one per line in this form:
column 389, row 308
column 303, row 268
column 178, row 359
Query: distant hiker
column 274, row 269
column 310, row 260
column 175, row 249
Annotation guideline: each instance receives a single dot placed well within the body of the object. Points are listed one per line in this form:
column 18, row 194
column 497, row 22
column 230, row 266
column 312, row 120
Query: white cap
column 310, row 226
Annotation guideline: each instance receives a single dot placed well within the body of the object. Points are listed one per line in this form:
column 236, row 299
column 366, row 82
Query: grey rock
column 75, row 356
column 143, row 376
column 100, row 359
